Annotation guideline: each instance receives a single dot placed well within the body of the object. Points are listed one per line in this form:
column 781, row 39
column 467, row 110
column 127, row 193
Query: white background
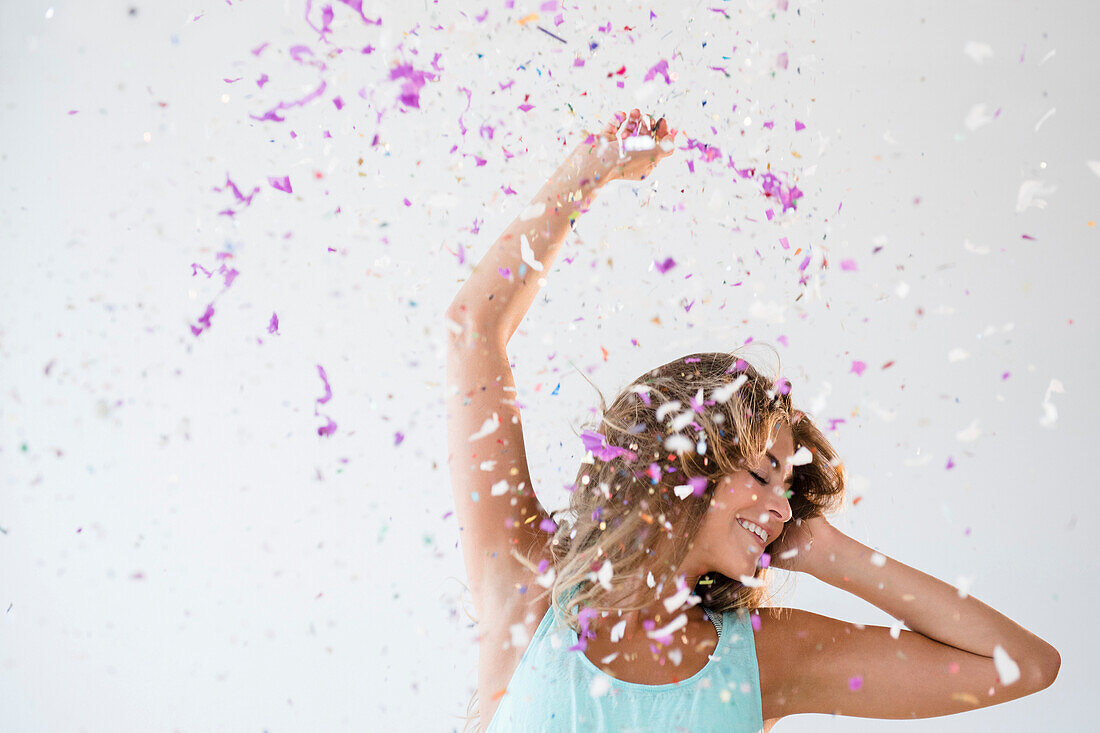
column 181, row 551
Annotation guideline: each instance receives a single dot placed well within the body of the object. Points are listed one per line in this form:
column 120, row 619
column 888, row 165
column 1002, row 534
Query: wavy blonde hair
column 700, row 417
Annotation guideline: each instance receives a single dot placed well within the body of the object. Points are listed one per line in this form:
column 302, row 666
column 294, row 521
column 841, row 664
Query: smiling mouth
column 755, row 536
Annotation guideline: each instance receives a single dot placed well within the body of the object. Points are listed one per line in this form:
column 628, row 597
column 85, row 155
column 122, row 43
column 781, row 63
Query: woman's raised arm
column 495, row 503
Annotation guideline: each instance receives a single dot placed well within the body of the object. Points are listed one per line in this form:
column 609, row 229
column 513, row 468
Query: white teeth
column 754, row 529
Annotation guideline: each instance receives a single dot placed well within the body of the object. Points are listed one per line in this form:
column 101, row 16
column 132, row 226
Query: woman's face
column 757, row 494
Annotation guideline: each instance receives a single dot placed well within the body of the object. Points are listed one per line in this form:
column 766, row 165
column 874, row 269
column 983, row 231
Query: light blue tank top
column 554, row 690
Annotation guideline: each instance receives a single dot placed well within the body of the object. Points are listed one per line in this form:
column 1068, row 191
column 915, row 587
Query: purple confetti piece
column 280, row 184
column 661, row 67
column 597, row 443
column 328, row 389
column 273, row 326
column 665, row 266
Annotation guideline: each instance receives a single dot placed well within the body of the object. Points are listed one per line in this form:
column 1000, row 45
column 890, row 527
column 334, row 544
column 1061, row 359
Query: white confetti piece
column 675, row 656
column 970, row 433
column 1044, row 118
column 679, row 444
column 487, row 465
column 527, row 254
column 978, row 51
column 670, row 628
column 536, row 209
column 1094, row 166
column 883, row 414
column 635, row 143
column 649, row 579
column 957, row 355
column 770, row 312
column 683, row 491
column 682, row 420
column 878, row 559
column 902, row 290
column 977, row 117
column 895, row 629
column 519, row 635
column 722, row 394
column 663, row 410
column 1007, row 669
column 971, row 247
column 603, row 575
column 488, row 427
column 499, row 488
column 754, row 582
column 609, row 658
column 599, row 687
column 546, row 579
column 962, row 585
column 801, row 457
column 1029, row 194
column 1050, row 412
column 618, row 630
column 677, row 599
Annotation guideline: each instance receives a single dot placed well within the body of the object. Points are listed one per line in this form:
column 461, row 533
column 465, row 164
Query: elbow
column 1046, row 668
column 1052, row 666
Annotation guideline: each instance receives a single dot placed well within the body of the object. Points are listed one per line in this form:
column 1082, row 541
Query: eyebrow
column 775, row 464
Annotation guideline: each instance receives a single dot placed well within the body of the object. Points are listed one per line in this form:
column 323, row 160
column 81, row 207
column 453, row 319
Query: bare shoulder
column 506, row 626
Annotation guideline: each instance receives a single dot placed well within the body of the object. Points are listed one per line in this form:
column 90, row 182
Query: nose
column 777, row 504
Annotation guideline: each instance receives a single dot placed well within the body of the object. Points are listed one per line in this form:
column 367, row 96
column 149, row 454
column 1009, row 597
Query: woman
column 646, row 611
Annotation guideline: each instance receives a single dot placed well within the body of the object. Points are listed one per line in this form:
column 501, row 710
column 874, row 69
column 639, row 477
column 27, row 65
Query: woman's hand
column 812, row 538
column 629, row 148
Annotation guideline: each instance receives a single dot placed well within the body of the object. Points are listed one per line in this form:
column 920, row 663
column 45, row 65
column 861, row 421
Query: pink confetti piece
column 272, row 114
column 661, row 67
column 280, row 184
column 546, row 525
column 597, row 443
column 328, row 389
column 414, row 81
column 754, row 619
column 273, row 326
column 855, row 683
column 784, row 243
column 663, row 267
column 798, row 126
column 330, row 427
column 858, row 367
column 950, row 464
column 398, row 438
column 781, row 60
column 848, row 265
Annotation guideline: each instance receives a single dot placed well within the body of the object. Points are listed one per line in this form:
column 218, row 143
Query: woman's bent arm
column 961, row 654
column 931, row 607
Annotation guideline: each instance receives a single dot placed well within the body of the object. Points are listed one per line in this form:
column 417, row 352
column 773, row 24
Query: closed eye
column 763, row 481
